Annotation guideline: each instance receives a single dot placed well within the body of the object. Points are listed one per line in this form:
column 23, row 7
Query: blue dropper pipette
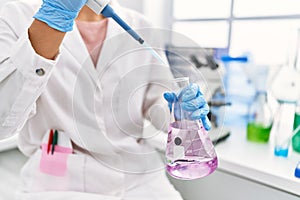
column 102, row 7
column 109, row 12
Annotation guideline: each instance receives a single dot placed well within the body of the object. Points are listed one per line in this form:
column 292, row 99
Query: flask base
column 189, row 170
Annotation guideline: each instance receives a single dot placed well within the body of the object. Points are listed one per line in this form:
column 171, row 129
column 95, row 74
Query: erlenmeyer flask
column 260, row 119
column 190, row 153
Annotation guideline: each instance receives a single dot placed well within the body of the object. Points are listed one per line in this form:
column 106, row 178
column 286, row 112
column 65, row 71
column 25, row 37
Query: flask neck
column 260, row 112
column 188, row 124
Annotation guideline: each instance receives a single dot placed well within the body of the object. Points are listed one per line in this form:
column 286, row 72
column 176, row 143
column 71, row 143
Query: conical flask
column 190, row 153
column 260, row 119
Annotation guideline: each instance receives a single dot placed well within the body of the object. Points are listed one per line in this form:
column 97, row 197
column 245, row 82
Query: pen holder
column 55, row 153
column 54, row 164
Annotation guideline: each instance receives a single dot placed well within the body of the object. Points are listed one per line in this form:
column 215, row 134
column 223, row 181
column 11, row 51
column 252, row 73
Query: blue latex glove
column 60, row 14
column 191, row 100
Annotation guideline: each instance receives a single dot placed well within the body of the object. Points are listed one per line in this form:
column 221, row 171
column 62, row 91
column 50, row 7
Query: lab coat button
column 40, row 71
column 140, row 141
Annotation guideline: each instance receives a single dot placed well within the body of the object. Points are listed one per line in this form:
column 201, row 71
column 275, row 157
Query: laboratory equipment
column 260, row 119
column 282, row 144
column 198, row 64
column 190, row 153
column 297, row 171
column 103, row 7
column 235, row 78
column 284, row 128
column 296, row 137
column 286, row 89
column 294, row 59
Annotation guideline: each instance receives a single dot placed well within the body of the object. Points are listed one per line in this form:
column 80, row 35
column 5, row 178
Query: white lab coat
column 100, row 109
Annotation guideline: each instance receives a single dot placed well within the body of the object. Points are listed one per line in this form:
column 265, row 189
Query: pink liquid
column 190, row 153
column 189, row 170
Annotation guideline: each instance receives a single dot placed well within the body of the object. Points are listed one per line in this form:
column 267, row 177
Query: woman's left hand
column 189, row 99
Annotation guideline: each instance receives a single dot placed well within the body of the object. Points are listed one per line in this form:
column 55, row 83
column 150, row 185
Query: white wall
column 133, row 4
column 157, row 11
column 3, row 2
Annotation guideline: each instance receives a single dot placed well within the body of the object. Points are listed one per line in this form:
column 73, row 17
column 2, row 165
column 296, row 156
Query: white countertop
column 257, row 162
column 249, row 160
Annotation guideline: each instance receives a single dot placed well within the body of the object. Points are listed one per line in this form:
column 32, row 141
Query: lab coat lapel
column 74, row 43
column 108, row 50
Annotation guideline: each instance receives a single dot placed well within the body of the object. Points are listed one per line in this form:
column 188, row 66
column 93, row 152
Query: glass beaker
column 260, row 119
column 190, row 153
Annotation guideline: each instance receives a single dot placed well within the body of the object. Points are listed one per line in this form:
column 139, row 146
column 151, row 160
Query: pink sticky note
column 54, row 164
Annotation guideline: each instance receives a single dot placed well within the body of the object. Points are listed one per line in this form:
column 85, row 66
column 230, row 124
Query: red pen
column 50, row 141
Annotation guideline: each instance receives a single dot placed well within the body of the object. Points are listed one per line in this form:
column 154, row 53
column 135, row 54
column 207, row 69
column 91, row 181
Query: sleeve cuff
column 34, row 72
column 31, row 65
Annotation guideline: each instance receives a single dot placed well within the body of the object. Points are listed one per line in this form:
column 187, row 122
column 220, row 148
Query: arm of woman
column 46, row 45
column 28, row 56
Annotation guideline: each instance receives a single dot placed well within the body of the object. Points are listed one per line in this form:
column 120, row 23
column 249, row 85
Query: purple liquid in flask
column 190, row 153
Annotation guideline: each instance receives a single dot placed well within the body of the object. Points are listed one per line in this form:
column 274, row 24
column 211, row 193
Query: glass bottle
column 190, row 153
column 296, row 137
column 284, row 128
column 260, row 119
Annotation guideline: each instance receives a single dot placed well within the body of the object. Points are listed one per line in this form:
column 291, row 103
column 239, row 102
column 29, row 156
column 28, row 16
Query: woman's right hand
column 55, row 17
column 59, row 14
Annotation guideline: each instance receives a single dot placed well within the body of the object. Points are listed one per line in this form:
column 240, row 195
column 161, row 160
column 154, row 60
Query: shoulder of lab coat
column 20, row 84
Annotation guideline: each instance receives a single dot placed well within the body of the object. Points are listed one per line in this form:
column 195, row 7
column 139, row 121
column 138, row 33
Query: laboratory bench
column 11, row 161
column 246, row 171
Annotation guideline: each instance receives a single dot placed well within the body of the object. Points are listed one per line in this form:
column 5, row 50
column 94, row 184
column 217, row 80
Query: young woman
column 65, row 68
